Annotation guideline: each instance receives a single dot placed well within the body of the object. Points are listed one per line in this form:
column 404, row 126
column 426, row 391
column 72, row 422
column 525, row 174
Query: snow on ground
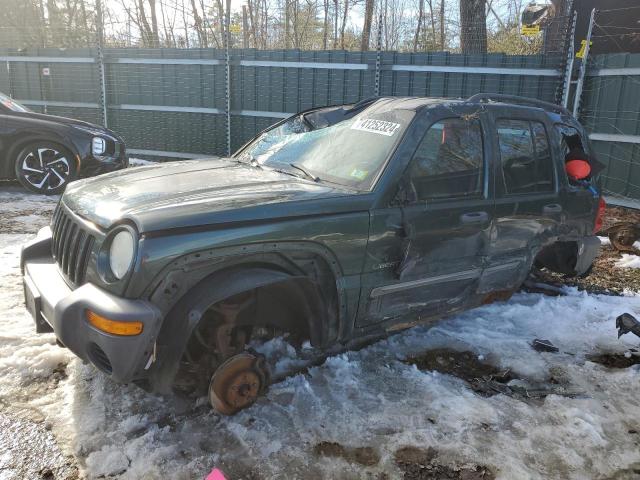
column 140, row 162
column 370, row 398
column 628, row 261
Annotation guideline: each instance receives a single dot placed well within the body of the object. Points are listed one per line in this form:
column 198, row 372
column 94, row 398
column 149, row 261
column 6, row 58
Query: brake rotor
column 238, row 382
column 623, row 236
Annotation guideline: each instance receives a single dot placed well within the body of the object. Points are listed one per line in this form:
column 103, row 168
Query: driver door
column 426, row 251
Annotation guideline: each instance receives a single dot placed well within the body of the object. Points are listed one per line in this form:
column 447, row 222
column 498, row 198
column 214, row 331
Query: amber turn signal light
column 113, row 327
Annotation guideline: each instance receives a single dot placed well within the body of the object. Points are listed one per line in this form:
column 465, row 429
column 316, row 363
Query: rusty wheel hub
column 238, row 382
column 623, row 236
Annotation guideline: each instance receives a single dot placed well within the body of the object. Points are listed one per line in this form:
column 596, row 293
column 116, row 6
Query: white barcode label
column 375, row 126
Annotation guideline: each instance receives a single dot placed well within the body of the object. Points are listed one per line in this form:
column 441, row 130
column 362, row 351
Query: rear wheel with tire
column 45, row 167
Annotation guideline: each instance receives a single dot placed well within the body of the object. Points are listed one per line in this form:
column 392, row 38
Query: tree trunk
column 245, row 27
column 344, row 23
column 368, row 20
column 154, row 24
column 416, row 37
column 335, row 24
column 85, row 23
column 473, row 26
column 220, row 20
column 252, row 20
column 199, row 26
column 295, row 24
column 442, row 30
column 325, row 25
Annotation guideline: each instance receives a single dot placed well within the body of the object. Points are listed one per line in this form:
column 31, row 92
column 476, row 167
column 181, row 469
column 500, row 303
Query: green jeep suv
column 337, row 225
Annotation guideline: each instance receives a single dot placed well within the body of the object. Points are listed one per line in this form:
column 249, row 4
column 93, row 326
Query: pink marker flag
column 216, row 475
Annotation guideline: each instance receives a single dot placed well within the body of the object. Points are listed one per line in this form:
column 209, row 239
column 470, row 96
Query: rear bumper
column 588, row 250
column 57, row 307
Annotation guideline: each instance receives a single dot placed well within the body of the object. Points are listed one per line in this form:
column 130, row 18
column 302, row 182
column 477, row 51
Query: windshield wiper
column 306, row 172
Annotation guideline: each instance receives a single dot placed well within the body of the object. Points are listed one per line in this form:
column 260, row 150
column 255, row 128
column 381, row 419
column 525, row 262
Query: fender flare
column 188, row 311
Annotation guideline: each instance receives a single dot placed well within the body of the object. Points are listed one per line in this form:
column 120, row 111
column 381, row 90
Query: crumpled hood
column 191, row 193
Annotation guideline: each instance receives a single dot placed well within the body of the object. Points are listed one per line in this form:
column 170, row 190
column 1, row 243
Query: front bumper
column 91, row 166
column 57, row 307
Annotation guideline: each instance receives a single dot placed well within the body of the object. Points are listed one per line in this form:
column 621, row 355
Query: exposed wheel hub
column 238, row 382
column 623, row 236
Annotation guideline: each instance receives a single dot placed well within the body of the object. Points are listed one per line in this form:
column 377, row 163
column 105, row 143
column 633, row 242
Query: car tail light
column 600, row 215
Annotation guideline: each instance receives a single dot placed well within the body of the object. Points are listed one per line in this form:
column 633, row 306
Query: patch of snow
column 109, row 460
column 140, row 162
column 369, row 397
column 628, row 261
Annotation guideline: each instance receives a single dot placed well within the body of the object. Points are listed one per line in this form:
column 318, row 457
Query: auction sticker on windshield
column 375, row 126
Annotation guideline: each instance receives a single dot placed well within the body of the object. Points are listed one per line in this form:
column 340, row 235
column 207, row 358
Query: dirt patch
column 365, row 456
column 31, row 451
column 419, row 464
column 614, row 215
column 483, row 378
column 24, row 221
column 487, row 380
column 616, row 360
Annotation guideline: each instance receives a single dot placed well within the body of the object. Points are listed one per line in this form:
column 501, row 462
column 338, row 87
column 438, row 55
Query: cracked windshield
column 341, row 146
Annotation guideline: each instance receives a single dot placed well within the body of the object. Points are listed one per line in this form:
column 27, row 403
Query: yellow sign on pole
column 530, row 30
column 583, row 46
column 235, row 28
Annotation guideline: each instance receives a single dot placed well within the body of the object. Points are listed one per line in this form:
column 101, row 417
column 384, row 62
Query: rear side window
column 525, row 155
column 449, row 160
column 571, row 141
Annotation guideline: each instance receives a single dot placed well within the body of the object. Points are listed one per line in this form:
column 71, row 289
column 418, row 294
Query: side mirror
column 577, row 169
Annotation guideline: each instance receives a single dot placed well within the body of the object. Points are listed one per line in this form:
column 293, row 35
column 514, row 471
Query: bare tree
column 416, row 37
column 199, row 26
column 442, row 27
column 366, row 29
column 473, row 26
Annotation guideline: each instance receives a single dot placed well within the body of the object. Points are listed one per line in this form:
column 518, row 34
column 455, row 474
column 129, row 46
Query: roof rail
column 534, row 102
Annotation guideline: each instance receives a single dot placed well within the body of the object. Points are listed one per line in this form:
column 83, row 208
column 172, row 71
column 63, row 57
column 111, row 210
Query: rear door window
column 525, row 155
column 449, row 160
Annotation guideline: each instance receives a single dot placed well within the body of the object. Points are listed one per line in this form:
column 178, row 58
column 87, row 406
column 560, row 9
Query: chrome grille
column 70, row 246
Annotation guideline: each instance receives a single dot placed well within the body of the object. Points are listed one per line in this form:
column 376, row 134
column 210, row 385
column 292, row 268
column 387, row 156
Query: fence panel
column 611, row 114
column 171, row 102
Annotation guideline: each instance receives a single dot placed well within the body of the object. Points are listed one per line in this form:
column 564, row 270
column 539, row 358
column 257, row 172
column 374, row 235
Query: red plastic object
column 600, row 215
column 578, row 169
column 216, row 475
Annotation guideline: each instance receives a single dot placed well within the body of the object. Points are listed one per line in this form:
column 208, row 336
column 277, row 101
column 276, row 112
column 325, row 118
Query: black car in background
column 44, row 152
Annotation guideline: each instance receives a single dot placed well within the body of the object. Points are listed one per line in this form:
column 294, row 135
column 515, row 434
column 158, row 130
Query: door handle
column 552, row 208
column 474, row 217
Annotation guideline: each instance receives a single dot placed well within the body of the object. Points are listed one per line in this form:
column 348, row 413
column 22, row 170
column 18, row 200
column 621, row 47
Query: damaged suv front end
column 104, row 275
column 75, row 275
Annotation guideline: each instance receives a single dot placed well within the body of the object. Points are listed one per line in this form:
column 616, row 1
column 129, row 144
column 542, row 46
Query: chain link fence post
column 571, row 55
column 378, row 56
column 100, row 62
column 227, row 74
column 583, row 66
